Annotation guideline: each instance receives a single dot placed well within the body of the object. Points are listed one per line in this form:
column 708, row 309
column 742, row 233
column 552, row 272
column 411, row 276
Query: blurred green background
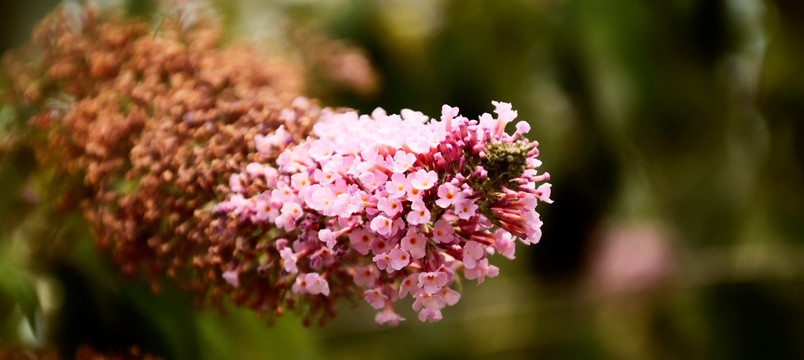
column 674, row 133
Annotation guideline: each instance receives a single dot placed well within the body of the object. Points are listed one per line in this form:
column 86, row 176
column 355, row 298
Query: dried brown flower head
column 148, row 124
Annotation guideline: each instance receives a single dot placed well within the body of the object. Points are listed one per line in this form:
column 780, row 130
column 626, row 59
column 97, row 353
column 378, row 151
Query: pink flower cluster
column 404, row 202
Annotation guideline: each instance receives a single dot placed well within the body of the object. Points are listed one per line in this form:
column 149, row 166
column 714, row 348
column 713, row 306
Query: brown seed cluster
column 148, row 123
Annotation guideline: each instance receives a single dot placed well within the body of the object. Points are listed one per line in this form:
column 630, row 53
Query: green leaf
column 16, row 285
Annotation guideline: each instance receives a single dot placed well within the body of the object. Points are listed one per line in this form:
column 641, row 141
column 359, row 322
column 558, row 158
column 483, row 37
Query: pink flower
column 321, row 198
column 271, row 175
column 447, row 114
column 409, row 285
column 372, row 180
column 414, row 193
column 264, row 144
column 424, row 180
column 430, row 315
column 295, row 159
column 504, row 115
column 505, row 244
column 465, row 209
column 419, row 214
column 398, row 225
column 282, row 193
column 236, row 183
column 522, row 127
column 325, row 177
column 388, row 316
column 358, row 201
column 472, row 252
column 543, row 192
column 292, row 209
column 288, row 260
column 321, row 149
column 448, row 272
column 382, row 225
column 401, row 161
column 534, row 233
column 503, row 111
column 528, row 207
column 266, row 211
column 443, row 232
column 370, row 157
column 337, row 164
column 311, row 283
column 236, row 204
column 481, row 270
column 300, row 102
column 316, row 284
column 255, row 169
column 232, row 277
column 322, row 257
column 375, row 298
column 339, row 186
column 300, row 286
column 429, row 301
column 366, row 275
column 414, row 242
column 289, row 213
column 450, row 296
column 383, row 260
column 287, row 115
column 285, row 221
column 448, row 194
column 399, row 258
column 340, row 207
column 389, row 206
column 486, row 121
column 398, row 186
column 432, row 281
column 380, row 246
column 327, row 237
column 360, row 240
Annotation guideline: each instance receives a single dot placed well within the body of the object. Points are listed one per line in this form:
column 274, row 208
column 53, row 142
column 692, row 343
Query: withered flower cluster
column 148, row 122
